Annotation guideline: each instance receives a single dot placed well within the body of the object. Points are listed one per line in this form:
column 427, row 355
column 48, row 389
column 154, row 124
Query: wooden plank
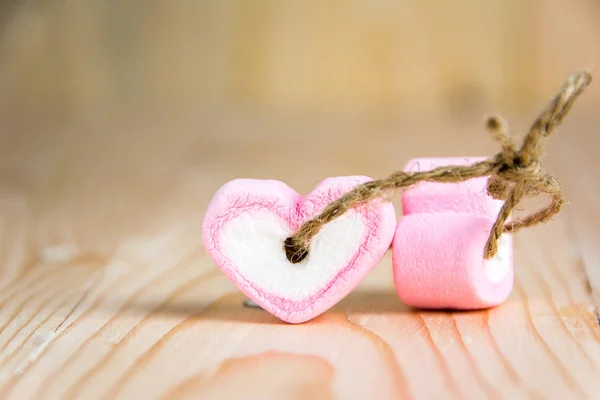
column 107, row 293
column 309, row 57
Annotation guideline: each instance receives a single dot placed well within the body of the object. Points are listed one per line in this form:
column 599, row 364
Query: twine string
column 513, row 175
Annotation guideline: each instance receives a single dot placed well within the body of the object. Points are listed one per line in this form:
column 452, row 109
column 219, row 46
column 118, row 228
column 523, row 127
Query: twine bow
column 513, row 174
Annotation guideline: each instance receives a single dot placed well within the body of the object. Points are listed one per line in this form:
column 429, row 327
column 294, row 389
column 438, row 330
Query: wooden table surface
column 107, row 293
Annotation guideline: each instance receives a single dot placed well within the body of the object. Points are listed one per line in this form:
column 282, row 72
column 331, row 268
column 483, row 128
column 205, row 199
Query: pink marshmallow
column 247, row 222
column 468, row 197
column 439, row 242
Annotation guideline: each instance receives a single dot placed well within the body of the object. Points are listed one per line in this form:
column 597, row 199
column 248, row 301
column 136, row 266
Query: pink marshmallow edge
column 444, row 268
column 469, row 197
column 247, row 195
column 438, row 246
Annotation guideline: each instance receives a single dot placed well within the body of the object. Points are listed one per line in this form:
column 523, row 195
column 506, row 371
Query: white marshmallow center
column 498, row 267
column 253, row 242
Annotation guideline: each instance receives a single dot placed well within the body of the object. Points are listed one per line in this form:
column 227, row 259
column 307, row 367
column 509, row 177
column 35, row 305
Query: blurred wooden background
column 119, row 119
column 224, row 88
column 386, row 57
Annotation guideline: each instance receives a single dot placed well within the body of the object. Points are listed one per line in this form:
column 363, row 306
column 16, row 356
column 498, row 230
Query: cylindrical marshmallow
column 439, row 243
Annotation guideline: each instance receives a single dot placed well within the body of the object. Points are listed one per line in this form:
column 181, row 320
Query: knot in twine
column 513, row 174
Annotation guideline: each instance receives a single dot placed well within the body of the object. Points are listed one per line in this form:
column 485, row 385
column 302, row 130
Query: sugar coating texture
column 439, row 242
column 248, row 220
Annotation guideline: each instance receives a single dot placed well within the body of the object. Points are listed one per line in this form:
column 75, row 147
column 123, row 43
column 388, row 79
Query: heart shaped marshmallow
column 248, row 220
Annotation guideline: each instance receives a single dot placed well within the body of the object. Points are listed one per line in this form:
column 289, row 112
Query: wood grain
column 118, row 122
column 384, row 57
column 107, row 293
